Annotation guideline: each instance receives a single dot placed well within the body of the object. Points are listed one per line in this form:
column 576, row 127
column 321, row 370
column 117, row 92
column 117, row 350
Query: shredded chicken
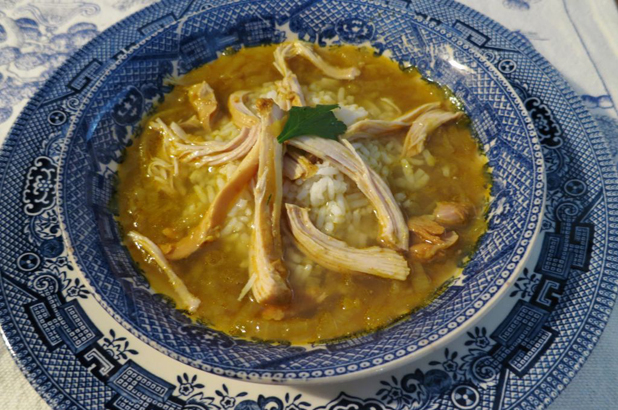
column 266, row 254
column 164, row 167
column 163, row 172
column 374, row 128
column 423, row 126
column 282, row 53
column 207, row 152
column 337, row 256
column 297, row 48
column 233, row 150
column 289, row 93
column 191, row 303
column 430, row 238
column 393, row 230
column 296, row 166
column 412, row 115
column 426, row 252
column 247, row 287
column 241, row 114
column 191, row 125
column 171, row 139
column 208, row 228
column 381, row 128
column 426, row 228
column 203, row 100
column 451, row 214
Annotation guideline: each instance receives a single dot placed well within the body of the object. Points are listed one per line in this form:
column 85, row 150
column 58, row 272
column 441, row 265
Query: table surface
column 585, row 28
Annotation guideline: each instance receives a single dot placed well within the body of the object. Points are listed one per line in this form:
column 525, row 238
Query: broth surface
column 325, row 305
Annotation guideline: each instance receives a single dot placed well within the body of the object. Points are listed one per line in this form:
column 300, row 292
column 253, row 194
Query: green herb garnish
column 317, row 121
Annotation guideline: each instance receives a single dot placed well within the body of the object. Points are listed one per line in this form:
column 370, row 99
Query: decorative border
column 423, row 383
column 396, row 356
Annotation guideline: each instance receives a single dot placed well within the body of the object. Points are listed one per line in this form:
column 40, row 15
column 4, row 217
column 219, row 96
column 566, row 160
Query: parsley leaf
column 319, row 121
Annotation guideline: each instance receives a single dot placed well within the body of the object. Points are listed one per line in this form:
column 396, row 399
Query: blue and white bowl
column 102, row 124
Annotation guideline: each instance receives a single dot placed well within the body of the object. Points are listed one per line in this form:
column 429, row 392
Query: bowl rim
column 311, row 380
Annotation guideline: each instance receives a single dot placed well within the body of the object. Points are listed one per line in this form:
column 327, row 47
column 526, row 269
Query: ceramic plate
column 520, row 356
column 94, row 138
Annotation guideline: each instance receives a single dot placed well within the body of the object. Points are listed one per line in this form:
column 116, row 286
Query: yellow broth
column 326, row 305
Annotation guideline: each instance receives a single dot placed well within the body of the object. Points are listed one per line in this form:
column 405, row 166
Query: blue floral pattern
column 31, row 48
column 187, row 386
column 423, row 389
column 115, row 345
column 472, row 373
column 526, row 284
column 36, row 37
column 78, row 290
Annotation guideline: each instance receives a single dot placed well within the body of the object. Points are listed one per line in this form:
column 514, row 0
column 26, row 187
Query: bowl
column 127, row 87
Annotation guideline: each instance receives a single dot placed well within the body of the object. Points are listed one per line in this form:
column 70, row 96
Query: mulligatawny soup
column 301, row 194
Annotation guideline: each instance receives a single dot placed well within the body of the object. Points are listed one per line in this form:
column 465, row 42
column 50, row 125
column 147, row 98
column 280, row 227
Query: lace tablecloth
column 578, row 37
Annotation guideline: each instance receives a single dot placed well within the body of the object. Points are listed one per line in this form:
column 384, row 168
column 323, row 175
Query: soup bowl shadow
column 132, row 85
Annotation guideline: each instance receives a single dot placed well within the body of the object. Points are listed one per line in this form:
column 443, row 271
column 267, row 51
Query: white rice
column 336, row 205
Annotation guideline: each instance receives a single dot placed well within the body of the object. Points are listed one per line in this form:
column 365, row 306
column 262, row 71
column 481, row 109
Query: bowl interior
column 134, row 84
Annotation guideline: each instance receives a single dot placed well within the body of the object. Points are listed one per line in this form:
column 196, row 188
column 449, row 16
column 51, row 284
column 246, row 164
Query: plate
column 93, row 139
column 522, row 355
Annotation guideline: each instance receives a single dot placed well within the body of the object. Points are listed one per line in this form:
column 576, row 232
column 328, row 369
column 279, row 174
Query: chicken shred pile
column 190, row 302
column 430, row 237
column 266, row 254
column 264, row 164
column 343, row 157
column 419, row 123
column 337, row 256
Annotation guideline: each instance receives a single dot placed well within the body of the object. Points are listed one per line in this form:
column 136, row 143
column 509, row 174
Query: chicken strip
column 163, row 167
column 203, row 100
column 426, row 252
column 191, row 303
column 337, row 256
column 426, row 228
column 289, row 92
column 422, row 127
column 206, row 152
column 393, row 229
column 270, row 286
column 430, row 238
column 298, row 48
column 241, row 114
column 381, row 128
column 451, row 214
column 227, row 152
column 191, row 125
column 208, row 228
column 296, row 166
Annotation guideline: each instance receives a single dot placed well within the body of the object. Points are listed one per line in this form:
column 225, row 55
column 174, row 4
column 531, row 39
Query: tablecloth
column 579, row 37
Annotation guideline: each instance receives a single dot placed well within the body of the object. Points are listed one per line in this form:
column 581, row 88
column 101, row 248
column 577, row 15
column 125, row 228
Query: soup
column 303, row 194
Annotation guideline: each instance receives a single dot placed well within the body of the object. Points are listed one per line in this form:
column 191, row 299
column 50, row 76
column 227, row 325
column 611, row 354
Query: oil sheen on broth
column 325, row 304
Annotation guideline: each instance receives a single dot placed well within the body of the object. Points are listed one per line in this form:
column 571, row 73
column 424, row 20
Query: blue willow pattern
column 40, row 304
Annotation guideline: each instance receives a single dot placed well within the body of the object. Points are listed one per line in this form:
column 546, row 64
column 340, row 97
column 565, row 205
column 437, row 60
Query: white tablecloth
column 580, row 37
